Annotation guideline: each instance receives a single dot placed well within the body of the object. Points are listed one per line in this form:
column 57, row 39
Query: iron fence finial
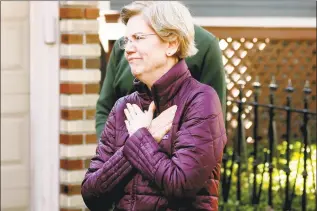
column 289, row 87
column 273, row 86
column 307, row 89
column 256, row 84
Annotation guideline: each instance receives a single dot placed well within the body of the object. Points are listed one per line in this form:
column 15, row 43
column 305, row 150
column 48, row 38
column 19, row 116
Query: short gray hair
column 171, row 20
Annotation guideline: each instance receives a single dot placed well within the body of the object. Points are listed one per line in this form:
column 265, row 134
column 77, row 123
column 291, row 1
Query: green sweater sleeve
column 213, row 71
column 107, row 97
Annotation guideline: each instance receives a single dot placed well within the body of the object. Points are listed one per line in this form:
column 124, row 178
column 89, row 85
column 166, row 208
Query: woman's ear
column 172, row 47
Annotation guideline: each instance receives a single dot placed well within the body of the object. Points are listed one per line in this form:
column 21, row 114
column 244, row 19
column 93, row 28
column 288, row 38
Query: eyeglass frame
column 126, row 40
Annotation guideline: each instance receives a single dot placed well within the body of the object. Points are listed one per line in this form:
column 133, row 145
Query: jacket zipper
column 133, row 193
column 156, row 101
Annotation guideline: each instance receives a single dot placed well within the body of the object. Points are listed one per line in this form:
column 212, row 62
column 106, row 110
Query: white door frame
column 44, row 105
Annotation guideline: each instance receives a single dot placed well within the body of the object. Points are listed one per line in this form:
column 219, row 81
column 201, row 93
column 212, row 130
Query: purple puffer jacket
column 182, row 172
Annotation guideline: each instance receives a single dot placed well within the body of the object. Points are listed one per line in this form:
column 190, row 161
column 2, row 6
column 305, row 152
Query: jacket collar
column 166, row 87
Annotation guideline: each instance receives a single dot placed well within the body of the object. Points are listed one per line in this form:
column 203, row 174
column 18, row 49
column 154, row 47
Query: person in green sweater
column 206, row 66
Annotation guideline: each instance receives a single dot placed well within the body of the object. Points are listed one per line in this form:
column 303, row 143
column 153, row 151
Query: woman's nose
column 130, row 48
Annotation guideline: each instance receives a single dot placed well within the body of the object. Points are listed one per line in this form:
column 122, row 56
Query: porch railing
column 255, row 174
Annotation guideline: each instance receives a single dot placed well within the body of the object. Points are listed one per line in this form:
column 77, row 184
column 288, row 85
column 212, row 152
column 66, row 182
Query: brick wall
column 79, row 88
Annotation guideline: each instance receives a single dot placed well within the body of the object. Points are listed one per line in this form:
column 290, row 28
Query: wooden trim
column 251, row 21
column 287, row 33
column 44, row 109
column 112, row 18
column 263, row 33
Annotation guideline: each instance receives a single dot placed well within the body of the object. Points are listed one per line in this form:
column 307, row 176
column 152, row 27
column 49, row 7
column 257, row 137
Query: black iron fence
column 264, row 176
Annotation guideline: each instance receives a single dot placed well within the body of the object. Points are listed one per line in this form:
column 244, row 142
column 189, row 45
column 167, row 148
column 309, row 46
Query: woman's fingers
column 134, row 109
column 151, row 107
column 159, row 133
column 131, row 109
column 166, row 117
column 169, row 113
column 166, row 128
column 136, row 117
column 137, row 109
column 161, row 123
column 127, row 124
column 128, row 115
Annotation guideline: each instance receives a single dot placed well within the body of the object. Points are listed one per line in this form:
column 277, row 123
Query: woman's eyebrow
column 136, row 33
column 140, row 33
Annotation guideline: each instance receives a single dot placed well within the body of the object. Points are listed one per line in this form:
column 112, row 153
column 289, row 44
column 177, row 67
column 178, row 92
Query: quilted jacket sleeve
column 198, row 149
column 108, row 168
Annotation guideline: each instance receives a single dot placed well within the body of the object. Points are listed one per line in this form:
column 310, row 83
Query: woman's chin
column 136, row 72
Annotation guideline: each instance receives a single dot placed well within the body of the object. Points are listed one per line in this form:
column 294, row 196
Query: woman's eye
column 139, row 37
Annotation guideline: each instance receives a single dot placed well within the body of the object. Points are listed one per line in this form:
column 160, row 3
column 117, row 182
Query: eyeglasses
column 135, row 38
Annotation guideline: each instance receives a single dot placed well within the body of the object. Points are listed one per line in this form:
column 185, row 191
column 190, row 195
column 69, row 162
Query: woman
column 206, row 66
column 171, row 162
